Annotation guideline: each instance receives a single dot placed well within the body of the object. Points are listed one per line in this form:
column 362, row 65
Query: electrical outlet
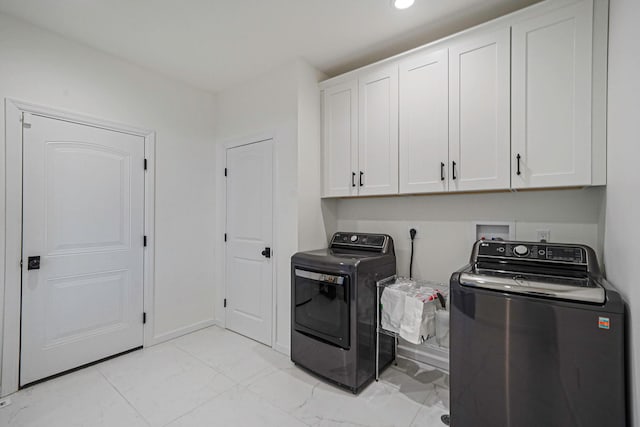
column 543, row 235
column 417, row 232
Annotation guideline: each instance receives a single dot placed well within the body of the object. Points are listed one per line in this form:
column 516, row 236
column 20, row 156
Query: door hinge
column 144, row 241
column 225, row 171
column 24, row 123
column 144, row 318
column 225, row 237
column 225, row 302
column 145, row 164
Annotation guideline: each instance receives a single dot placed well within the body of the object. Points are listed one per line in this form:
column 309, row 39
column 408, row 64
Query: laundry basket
column 408, row 308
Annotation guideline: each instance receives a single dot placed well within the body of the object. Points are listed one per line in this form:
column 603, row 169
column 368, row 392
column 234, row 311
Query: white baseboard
column 182, row 331
column 282, row 349
column 428, row 353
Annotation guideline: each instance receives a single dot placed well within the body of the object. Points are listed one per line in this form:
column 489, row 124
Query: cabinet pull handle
column 361, row 174
column 518, row 159
column 441, row 171
column 353, row 179
column 453, row 169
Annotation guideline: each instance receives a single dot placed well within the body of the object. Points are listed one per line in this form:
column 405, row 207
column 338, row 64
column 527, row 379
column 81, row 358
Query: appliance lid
column 323, row 258
column 347, row 250
column 571, row 289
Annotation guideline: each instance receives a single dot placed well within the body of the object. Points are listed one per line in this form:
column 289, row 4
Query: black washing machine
column 333, row 308
column 537, row 339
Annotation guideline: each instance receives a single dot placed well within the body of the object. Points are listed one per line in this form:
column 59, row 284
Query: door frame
column 11, row 230
column 221, row 163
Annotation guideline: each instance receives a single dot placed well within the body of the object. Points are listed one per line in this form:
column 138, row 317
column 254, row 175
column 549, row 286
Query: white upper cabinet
column 340, row 139
column 551, row 98
column 516, row 103
column 424, row 122
column 479, row 112
column 378, row 132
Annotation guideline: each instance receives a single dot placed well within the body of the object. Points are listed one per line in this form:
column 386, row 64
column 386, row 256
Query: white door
column 378, row 132
column 340, row 139
column 479, row 113
column 424, row 123
column 551, row 94
column 83, row 201
column 249, row 234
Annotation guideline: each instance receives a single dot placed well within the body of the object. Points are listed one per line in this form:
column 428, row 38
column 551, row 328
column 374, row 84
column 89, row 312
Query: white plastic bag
column 418, row 322
column 392, row 301
column 409, row 309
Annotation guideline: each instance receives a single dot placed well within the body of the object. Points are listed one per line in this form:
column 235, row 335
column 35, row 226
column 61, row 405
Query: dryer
column 333, row 308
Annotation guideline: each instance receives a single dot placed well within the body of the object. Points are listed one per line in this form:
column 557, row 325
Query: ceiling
column 214, row 44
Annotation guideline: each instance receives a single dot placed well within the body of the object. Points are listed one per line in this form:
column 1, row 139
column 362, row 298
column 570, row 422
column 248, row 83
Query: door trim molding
column 221, row 199
column 11, row 229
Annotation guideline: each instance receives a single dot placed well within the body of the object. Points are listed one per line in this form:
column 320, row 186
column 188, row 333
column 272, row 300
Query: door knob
column 33, row 263
column 266, row 253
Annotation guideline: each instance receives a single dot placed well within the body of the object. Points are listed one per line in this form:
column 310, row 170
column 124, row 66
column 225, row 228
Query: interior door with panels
column 340, row 139
column 378, row 132
column 83, row 222
column 551, row 98
column 480, row 112
column 424, row 122
column 249, row 273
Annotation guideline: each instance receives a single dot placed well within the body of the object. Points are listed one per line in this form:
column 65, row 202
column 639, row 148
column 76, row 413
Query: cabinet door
column 340, row 140
column 424, row 123
column 479, row 113
column 551, row 98
column 378, row 132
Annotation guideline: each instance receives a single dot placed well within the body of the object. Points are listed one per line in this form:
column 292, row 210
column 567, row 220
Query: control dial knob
column 354, row 238
column 521, row 250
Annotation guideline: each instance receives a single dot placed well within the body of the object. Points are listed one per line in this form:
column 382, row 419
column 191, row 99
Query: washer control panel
column 533, row 251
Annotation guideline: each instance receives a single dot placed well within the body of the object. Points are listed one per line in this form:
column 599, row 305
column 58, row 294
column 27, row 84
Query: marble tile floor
column 214, row 377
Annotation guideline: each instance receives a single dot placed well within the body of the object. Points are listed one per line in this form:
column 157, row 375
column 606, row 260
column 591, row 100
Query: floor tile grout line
column 148, row 422
column 215, row 369
column 203, row 363
column 201, row 404
column 415, row 416
column 192, row 409
column 200, row 360
column 174, row 343
column 208, row 365
column 236, row 386
column 265, row 401
column 247, row 382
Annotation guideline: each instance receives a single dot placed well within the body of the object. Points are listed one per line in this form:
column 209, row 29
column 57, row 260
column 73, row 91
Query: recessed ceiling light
column 403, row 4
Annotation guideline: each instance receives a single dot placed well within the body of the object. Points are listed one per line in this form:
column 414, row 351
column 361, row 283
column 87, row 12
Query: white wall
column 311, row 221
column 271, row 104
column 622, row 230
column 445, row 223
column 42, row 68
